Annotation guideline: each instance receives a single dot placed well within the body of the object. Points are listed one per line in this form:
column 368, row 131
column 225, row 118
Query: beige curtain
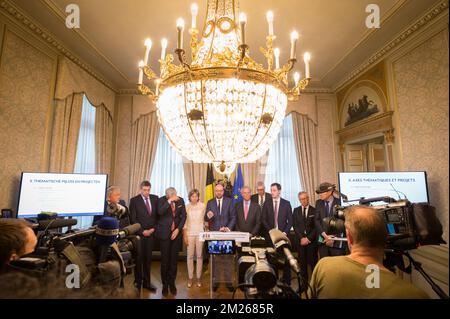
column 144, row 141
column 72, row 78
column 255, row 172
column 66, row 129
column 305, row 137
column 103, row 139
column 195, row 175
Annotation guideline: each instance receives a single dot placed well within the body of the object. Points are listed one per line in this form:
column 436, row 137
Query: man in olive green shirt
column 361, row 274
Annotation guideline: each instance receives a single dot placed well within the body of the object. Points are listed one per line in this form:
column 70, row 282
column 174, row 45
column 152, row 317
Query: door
column 355, row 158
column 376, row 158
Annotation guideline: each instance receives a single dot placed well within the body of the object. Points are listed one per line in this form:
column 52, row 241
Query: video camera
column 103, row 253
column 409, row 225
column 258, row 268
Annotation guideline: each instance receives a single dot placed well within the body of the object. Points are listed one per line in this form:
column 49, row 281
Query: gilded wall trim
column 381, row 54
column 22, row 19
column 377, row 124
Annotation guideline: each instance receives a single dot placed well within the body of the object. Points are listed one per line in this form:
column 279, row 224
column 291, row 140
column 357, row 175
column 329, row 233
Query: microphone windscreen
column 277, row 236
column 107, row 231
column 56, row 223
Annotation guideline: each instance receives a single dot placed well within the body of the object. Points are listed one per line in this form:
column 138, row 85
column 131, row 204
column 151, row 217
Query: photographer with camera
column 361, row 274
column 325, row 209
column 16, row 239
column 115, row 207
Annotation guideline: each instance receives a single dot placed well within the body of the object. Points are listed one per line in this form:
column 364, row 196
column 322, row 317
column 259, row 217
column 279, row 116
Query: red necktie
column 149, row 208
column 172, row 205
column 245, row 210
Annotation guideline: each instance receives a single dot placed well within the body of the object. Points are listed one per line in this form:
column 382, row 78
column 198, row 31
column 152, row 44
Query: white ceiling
column 113, row 31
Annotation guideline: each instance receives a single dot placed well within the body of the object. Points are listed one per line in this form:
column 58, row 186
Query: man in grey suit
column 221, row 216
column 261, row 196
column 248, row 214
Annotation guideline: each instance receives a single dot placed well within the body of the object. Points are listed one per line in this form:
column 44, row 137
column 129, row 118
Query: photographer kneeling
column 361, row 274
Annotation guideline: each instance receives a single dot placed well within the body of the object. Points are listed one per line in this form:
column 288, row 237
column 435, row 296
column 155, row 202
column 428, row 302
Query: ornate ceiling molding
column 21, row 18
column 129, row 92
column 317, row 91
column 378, row 56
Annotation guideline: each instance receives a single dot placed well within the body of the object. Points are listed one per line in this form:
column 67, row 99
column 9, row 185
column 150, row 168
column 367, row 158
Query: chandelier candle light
column 222, row 107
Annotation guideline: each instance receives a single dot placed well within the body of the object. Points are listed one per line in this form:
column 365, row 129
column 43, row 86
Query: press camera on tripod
column 408, row 225
column 258, row 268
column 103, row 254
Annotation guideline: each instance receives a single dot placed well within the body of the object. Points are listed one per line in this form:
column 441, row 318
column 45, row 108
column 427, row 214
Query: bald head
column 365, row 227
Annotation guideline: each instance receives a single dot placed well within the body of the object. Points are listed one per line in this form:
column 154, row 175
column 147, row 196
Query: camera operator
column 16, row 239
column 325, row 208
column 115, row 207
column 355, row 275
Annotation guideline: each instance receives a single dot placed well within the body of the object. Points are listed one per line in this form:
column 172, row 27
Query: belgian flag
column 209, row 188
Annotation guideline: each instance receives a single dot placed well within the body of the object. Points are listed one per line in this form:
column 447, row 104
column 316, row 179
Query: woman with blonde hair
column 194, row 225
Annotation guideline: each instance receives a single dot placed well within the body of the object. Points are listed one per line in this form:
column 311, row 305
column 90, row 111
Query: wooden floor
column 183, row 291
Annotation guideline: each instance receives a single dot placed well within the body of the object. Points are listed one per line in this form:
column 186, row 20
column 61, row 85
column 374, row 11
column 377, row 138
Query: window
column 167, row 169
column 282, row 164
column 85, row 157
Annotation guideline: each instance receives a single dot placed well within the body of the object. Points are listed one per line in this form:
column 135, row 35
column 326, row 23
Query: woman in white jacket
column 194, row 225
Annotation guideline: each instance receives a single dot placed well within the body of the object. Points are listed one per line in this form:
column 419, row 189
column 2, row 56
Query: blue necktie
column 327, row 208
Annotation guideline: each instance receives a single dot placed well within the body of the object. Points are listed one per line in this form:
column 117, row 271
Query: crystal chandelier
column 223, row 107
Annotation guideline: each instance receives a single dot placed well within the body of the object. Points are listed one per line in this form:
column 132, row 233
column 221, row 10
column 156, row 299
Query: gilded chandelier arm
column 181, row 53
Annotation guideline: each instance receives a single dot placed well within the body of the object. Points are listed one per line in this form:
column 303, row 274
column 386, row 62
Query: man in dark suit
column 171, row 219
column 261, row 196
column 248, row 214
column 306, row 234
column 325, row 208
column 221, row 216
column 277, row 213
column 143, row 210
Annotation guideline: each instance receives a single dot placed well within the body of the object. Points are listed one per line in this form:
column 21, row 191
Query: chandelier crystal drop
column 222, row 108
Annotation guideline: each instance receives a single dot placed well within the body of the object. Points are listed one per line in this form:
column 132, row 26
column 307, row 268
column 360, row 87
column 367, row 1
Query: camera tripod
column 418, row 266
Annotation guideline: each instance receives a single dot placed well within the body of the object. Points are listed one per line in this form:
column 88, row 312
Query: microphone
column 107, row 231
column 129, row 230
column 53, row 223
column 386, row 199
column 281, row 242
column 343, row 196
column 105, row 235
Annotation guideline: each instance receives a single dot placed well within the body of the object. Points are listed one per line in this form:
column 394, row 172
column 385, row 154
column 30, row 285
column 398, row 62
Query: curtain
column 66, row 128
column 144, row 141
column 195, row 175
column 255, row 172
column 167, row 169
column 282, row 164
column 72, row 78
column 85, row 162
column 305, row 138
column 103, row 139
